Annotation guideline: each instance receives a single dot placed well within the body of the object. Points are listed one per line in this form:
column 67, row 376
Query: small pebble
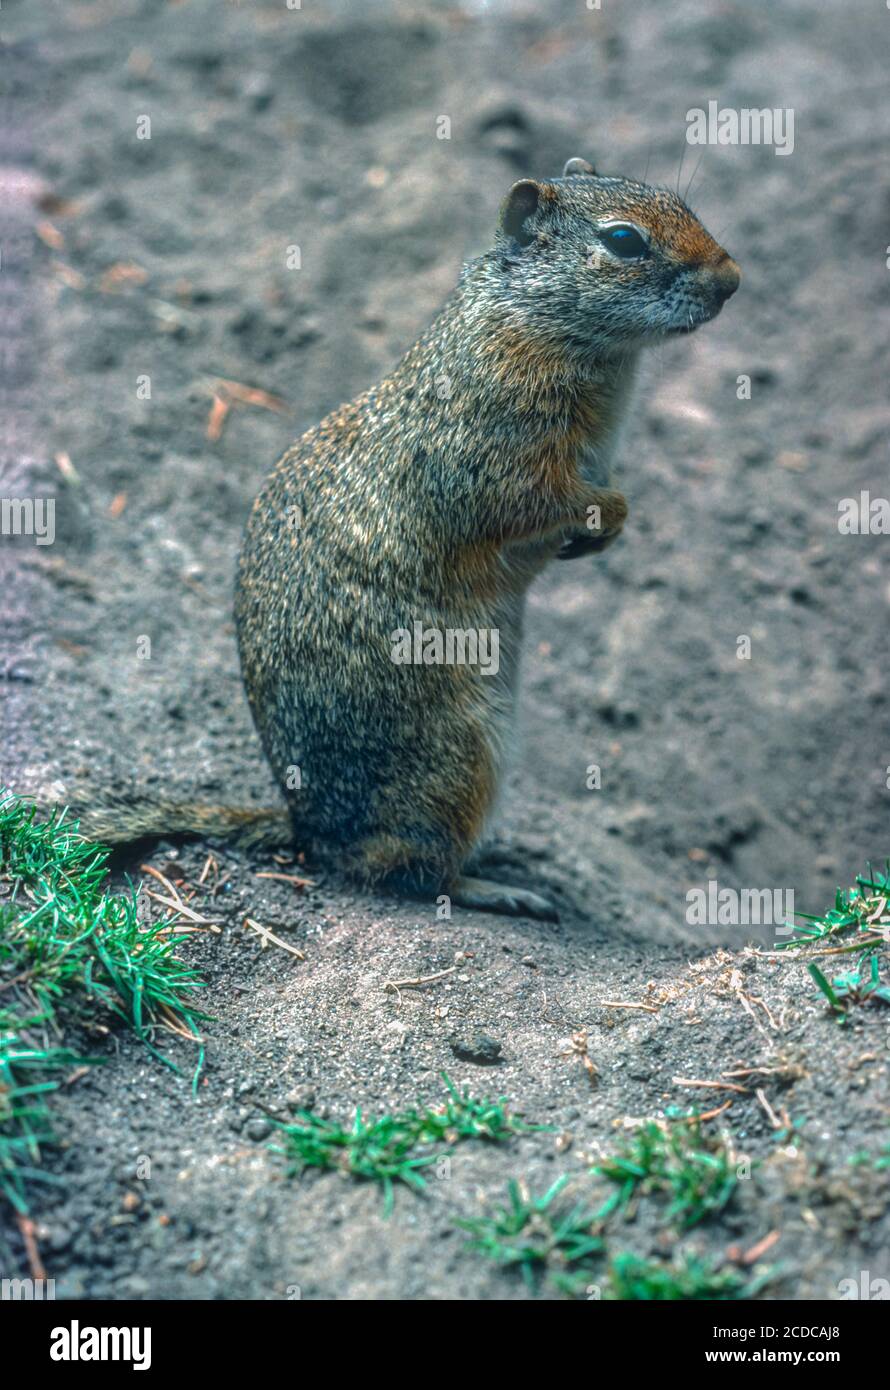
column 479, row 1048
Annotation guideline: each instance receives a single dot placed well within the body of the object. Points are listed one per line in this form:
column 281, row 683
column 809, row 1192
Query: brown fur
column 434, row 498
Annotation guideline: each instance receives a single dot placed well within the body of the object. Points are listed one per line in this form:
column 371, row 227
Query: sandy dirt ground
column 166, row 258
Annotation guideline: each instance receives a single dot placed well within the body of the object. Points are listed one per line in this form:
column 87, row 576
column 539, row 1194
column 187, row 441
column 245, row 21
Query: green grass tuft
column 385, row 1150
column 540, row 1237
column 688, row 1279
column 859, row 923
column 697, row 1172
column 860, row 916
column 856, row 986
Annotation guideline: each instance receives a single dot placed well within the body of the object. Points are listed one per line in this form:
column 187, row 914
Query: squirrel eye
column 626, row 242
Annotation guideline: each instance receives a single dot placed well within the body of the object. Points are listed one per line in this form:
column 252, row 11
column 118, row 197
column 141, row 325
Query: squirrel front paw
column 586, row 544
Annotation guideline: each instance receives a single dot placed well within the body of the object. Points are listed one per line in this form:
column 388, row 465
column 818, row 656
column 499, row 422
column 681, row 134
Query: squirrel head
column 607, row 265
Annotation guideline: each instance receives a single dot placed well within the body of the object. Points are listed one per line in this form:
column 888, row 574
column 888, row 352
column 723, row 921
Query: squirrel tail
column 116, row 821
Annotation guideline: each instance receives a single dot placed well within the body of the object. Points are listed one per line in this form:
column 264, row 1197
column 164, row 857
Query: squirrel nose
column 727, row 276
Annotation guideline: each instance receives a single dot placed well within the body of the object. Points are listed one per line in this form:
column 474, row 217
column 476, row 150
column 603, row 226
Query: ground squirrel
column 394, row 542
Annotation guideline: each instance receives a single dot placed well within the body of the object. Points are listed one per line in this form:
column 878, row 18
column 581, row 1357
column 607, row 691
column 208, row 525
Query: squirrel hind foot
column 401, row 864
column 485, row 895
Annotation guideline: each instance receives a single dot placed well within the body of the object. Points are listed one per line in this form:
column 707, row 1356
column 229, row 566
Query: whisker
column 680, row 170
column 692, row 180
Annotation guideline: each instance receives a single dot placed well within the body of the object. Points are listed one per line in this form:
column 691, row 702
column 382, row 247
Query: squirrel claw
column 586, row 545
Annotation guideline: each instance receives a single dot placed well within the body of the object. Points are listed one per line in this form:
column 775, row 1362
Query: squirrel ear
column 578, row 166
column 520, row 203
